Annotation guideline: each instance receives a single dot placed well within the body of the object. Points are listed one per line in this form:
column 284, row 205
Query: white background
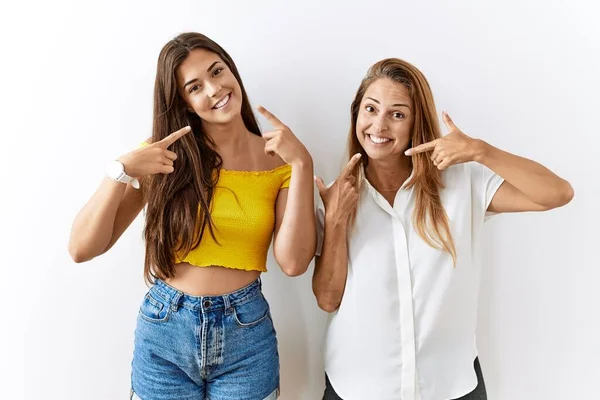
column 76, row 90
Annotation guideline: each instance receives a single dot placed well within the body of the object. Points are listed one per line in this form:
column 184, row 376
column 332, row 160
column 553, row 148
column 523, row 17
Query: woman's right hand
column 341, row 198
column 155, row 158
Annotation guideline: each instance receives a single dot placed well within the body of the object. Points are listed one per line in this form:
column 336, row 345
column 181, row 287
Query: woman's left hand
column 282, row 141
column 454, row 148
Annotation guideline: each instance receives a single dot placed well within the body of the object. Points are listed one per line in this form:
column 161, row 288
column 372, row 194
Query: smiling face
column 385, row 119
column 209, row 87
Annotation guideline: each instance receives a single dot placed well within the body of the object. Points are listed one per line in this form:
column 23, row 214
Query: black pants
column 478, row 394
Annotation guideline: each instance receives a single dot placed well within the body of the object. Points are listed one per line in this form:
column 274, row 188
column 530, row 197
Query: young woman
column 398, row 258
column 216, row 192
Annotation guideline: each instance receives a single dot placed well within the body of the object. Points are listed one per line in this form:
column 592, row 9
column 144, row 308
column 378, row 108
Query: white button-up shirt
column 405, row 328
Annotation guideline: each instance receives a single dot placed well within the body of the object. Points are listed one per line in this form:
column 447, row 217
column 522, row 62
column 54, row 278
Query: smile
column 223, row 102
column 378, row 139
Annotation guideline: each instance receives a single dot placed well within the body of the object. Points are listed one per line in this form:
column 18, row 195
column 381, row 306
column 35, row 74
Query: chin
column 381, row 154
column 374, row 153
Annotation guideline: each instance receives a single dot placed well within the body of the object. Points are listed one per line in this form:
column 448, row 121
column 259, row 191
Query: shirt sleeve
column 286, row 177
column 485, row 184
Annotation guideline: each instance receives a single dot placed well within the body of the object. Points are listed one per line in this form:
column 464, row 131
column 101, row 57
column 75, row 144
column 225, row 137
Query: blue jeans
column 216, row 347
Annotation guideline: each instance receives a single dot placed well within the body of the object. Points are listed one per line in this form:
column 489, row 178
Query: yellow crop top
column 243, row 214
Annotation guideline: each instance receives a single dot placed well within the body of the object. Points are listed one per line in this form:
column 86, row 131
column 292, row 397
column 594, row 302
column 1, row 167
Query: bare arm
column 528, row 186
column 115, row 205
column 103, row 219
column 295, row 230
column 331, row 266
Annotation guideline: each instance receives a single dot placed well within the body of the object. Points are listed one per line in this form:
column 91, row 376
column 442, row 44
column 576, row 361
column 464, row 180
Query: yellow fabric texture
column 243, row 214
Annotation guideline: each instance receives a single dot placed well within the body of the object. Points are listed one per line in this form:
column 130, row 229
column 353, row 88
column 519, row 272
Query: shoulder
column 457, row 173
column 267, row 162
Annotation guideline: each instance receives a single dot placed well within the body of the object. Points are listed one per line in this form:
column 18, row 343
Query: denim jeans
column 214, row 347
column 478, row 394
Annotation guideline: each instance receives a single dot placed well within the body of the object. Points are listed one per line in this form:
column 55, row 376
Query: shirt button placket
column 405, row 295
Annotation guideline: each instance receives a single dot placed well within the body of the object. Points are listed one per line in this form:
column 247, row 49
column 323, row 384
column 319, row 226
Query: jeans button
column 207, row 303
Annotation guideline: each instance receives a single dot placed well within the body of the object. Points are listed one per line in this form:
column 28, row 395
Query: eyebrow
column 211, row 66
column 393, row 105
column 195, row 79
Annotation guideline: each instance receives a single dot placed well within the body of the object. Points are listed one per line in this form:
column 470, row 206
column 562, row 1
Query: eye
column 217, row 71
column 370, row 109
column 194, row 88
column 398, row 115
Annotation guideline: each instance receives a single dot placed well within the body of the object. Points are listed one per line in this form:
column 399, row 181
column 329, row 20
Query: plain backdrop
column 76, row 81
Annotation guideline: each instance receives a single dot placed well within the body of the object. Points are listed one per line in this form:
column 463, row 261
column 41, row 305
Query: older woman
column 398, row 256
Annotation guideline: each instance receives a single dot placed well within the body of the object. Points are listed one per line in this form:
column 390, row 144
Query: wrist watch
column 116, row 170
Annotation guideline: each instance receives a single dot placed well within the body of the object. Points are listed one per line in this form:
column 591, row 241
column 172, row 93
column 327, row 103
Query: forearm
column 92, row 229
column 331, row 267
column 296, row 240
column 535, row 181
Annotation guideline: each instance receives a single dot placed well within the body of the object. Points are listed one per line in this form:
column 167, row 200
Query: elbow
column 563, row 196
column 328, row 307
column 326, row 300
column 294, row 268
column 567, row 194
column 327, row 304
column 294, row 264
column 78, row 255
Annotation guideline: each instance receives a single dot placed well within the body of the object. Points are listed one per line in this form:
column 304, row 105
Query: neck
column 230, row 137
column 388, row 175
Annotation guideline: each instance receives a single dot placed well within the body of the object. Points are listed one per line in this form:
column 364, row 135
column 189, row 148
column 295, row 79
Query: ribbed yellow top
column 243, row 214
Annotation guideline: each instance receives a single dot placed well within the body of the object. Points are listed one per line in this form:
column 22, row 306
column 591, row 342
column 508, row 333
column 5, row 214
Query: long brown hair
column 178, row 210
column 429, row 217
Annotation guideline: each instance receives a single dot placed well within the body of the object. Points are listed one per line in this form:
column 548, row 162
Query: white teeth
column 378, row 140
column 222, row 102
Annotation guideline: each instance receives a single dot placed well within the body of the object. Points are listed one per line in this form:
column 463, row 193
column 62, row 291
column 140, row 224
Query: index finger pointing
column 269, row 116
column 175, row 136
column 421, row 148
column 448, row 121
column 350, row 166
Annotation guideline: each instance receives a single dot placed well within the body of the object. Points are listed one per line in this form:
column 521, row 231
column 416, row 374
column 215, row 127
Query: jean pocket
column 154, row 310
column 252, row 312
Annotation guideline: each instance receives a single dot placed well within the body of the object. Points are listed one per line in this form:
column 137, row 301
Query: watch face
column 114, row 169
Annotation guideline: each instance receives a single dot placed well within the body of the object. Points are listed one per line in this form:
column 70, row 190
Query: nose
column 213, row 89
column 380, row 123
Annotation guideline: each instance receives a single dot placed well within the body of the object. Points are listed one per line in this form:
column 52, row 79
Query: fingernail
column 357, row 155
column 407, row 152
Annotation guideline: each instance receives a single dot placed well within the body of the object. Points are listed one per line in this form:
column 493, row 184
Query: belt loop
column 176, row 300
column 227, row 304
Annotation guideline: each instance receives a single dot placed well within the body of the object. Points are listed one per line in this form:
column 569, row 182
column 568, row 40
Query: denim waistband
column 205, row 303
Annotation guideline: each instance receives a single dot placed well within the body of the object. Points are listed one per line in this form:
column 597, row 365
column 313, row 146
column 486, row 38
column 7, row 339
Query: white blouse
column 405, row 328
